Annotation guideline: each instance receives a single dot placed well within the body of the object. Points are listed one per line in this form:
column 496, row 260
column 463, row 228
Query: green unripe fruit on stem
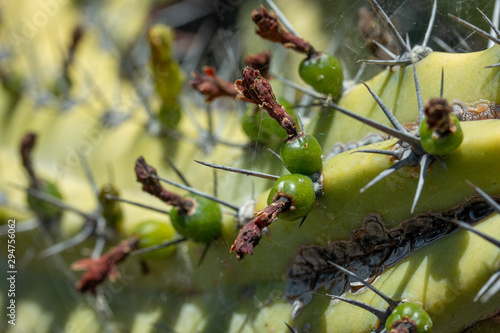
column 153, row 232
column 443, row 145
column 203, row 222
column 323, row 72
column 170, row 116
column 168, row 75
column 414, row 313
column 302, row 155
column 300, row 190
column 111, row 210
column 261, row 128
column 43, row 209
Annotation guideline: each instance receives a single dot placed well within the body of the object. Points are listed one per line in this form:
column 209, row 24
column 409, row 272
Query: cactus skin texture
column 222, row 294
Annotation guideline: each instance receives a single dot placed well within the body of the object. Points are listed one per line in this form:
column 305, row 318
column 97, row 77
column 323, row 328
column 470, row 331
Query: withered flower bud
column 148, row 177
column 268, row 27
column 251, row 233
column 256, row 89
column 437, row 111
column 97, row 270
column 260, row 61
column 211, row 85
column 27, row 144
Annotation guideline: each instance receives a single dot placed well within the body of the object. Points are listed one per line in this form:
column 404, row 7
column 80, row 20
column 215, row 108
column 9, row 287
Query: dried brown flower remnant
column 148, row 177
column 404, row 325
column 255, row 89
column 260, row 62
column 27, row 144
column 437, row 111
column 268, row 27
column 211, row 85
column 251, row 233
column 97, row 270
column 76, row 38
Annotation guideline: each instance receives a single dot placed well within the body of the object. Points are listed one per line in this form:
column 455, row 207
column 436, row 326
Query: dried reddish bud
column 268, row 27
column 27, row 144
column 76, row 37
column 405, row 325
column 373, row 32
column 437, row 111
column 147, row 176
column 247, row 239
column 251, row 233
column 255, row 89
column 260, row 62
column 211, row 85
column 97, row 270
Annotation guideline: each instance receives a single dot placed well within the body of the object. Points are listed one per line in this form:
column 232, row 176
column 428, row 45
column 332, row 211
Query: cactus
column 387, row 216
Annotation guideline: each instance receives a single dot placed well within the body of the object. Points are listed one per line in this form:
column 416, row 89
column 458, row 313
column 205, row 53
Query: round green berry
column 414, row 313
column 43, row 209
column 261, row 128
column 323, row 72
column 440, row 145
column 153, row 232
column 111, row 210
column 300, row 190
column 258, row 127
column 170, row 116
column 202, row 223
column 302, row 155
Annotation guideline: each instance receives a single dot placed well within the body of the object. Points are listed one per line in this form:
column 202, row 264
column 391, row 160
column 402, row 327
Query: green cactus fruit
column 111, row 209
column 323, row 72
column 412, row 315
column 302, row 155
column 300, row 190
column 440, row 145
column 170, row 116
column 261, row 128
column 43, row 209
column 154, row 232
column 202, row 223
column 419, row 257
column 168, row 75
